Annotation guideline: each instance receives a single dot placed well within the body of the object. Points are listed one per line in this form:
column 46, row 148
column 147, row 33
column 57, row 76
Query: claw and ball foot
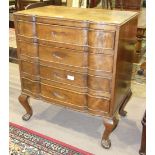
column 23, row 99
column 110, row 125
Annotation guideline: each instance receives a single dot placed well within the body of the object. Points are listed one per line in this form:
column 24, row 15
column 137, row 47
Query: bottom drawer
column 98, row 105
column 64, row 97
column 30, row 87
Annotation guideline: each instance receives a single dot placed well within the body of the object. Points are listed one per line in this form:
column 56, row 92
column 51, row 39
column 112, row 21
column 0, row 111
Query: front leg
column 23, row 99
column 110, row 125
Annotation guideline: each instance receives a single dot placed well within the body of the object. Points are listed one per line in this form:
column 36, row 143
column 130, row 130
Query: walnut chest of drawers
column 77, row 58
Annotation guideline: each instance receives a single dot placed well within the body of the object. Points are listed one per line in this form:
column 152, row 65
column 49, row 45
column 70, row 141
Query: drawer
column 63, row 96
column 63, row 76
column 62, row 34
column 63, row 56
column 25, row 28
column 99, row 86
column 100, row 62
column 64, row 86
column 29, row 69
column 101, row 39
column 98, row 105
column 28, row 49
column 30, row 87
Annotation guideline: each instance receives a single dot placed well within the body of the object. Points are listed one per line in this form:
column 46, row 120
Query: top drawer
column 62, row 34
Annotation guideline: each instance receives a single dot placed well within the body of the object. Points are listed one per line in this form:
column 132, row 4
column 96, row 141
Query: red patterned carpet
column 23, row 141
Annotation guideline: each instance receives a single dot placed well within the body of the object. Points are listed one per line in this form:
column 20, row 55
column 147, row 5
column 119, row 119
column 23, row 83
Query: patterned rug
column 23, row 141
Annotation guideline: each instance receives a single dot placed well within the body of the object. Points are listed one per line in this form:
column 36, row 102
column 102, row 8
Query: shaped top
column 112, row 17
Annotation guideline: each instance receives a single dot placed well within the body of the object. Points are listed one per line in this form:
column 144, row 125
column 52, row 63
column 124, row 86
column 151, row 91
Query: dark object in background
column 93, row 3
column 105, row 3
column 142, row 70
column 13, row 55
column 128, row 4
column 142, row 150
column 12, row 8
column 144, row 3
column 21, row 4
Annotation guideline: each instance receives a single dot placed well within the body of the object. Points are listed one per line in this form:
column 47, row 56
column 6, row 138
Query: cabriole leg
column 122, row 112
column 23, row 99
column 110, row 125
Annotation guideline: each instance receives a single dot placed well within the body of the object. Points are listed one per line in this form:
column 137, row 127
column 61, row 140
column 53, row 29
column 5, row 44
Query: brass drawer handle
column 58, row 76
column 56, row 33
column 53, row 35
column 58, row 55
column 60, row 96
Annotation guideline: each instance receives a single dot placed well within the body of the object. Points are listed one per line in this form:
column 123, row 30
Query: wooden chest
column 77, row 58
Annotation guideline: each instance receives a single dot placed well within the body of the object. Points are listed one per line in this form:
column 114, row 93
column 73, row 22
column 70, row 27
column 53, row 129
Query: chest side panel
column 125, row 53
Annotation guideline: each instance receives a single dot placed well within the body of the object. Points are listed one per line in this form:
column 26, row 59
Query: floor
column 79, row 129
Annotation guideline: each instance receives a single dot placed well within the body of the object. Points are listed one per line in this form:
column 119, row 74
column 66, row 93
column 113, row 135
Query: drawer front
column 25, row 28
column 100, row 62
column 28, row 49
column 101, row 39
column 63, row 76
column 30, row 87
column 63, row 56
column 63, row 96
column 69, row 87
column 98, row 105
column 99, row 86
column 62, row 34
column 29, row 69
